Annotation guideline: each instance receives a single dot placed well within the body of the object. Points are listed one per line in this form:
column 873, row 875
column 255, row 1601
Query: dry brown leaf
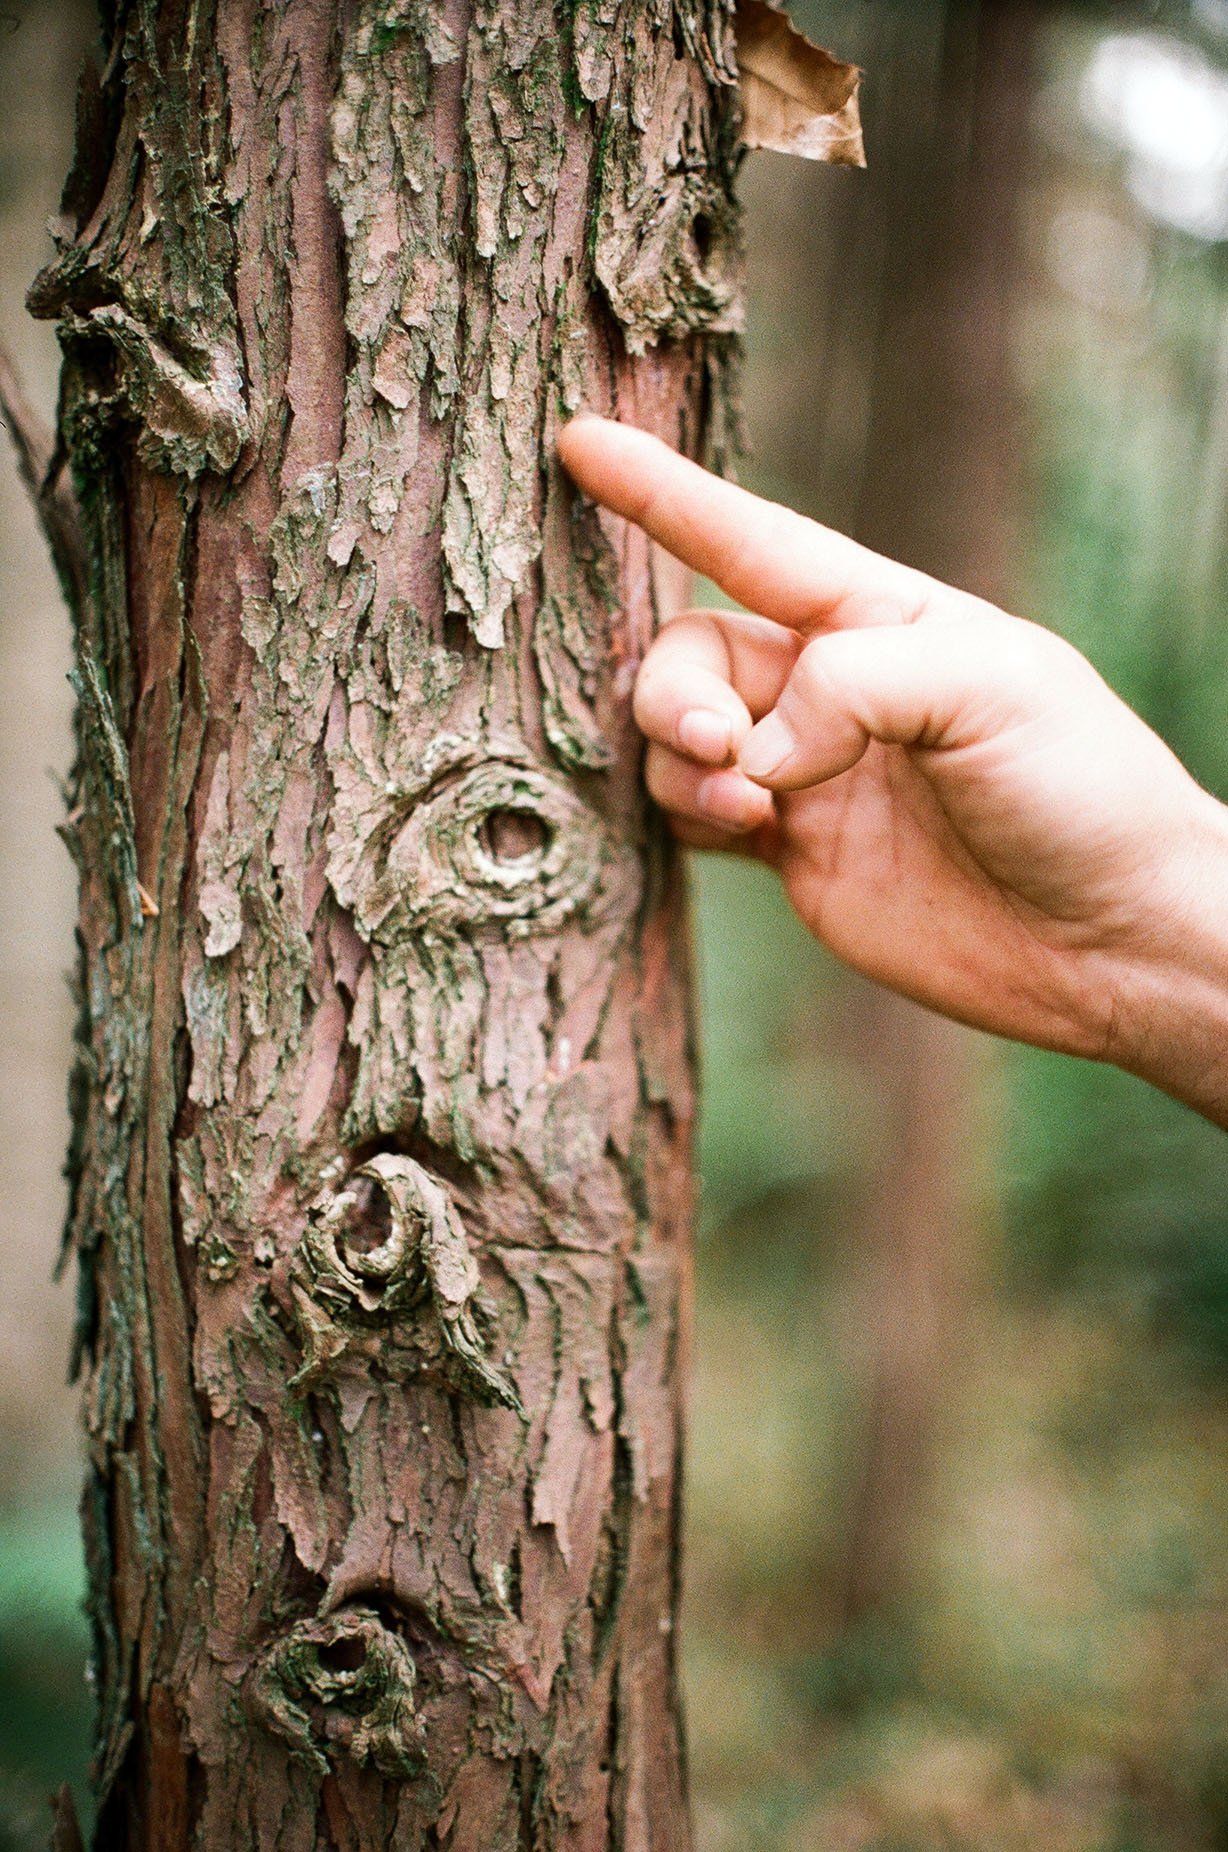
column 796, row 98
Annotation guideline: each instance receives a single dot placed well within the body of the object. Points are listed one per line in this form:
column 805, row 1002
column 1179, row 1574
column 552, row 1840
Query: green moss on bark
column 384, row 1479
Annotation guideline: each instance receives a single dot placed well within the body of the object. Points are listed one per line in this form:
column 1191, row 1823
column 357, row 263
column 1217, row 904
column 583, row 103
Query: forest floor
column 1059, row 1677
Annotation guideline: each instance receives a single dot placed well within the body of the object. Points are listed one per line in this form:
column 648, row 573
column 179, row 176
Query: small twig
column 50, row 490
column 65, row 1830
column 31, row 438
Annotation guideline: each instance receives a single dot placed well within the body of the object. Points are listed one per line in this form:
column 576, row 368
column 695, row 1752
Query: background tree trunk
column 900, row 290
column 383, row 1101
column 938, row 488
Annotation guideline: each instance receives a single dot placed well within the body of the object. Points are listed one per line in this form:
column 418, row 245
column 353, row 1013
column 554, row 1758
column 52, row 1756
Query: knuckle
column 642, row 698
column 1029, row 660
column 654, row 694
column 815, row 675
column 670, row 779
column 656, row 771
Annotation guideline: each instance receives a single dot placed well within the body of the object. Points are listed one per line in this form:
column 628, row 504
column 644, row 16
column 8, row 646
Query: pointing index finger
column 770, row 559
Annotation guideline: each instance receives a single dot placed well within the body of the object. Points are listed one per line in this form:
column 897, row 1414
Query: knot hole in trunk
column 511, row 835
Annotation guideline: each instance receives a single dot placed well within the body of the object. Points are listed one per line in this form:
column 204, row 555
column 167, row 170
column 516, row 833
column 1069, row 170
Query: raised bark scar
column 408, row 1303
column 499, row 843
column 342, row 1685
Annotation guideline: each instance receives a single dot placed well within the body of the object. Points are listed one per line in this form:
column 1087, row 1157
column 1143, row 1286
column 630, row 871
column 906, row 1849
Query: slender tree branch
column 41, row 470
column 65, row 1829
column 32, row 440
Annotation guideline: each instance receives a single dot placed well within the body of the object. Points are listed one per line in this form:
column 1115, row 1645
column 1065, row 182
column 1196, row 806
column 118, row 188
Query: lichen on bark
column 380, row 1182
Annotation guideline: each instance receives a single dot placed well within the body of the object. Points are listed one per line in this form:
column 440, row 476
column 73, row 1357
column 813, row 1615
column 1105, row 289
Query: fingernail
column 706, row 735
column 766, row 748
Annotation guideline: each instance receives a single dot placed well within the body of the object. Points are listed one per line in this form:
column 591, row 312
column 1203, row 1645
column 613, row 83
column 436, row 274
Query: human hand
column 955, row 801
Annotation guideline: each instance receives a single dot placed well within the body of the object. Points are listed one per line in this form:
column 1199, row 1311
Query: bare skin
column 956, row 803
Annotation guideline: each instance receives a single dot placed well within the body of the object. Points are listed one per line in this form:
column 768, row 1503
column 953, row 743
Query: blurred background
column 958, row 1485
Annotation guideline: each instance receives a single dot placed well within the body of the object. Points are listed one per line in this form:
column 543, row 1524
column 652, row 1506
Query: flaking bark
column 380, row 1175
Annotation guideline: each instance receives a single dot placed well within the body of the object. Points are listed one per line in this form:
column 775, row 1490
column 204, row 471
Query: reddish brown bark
column 381, row 1183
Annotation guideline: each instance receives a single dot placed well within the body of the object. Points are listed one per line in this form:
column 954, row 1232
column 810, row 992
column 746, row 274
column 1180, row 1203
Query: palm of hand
column 875, row 869
column 992, row 879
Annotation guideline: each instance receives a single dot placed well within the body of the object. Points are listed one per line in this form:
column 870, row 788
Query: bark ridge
column 380, row 1181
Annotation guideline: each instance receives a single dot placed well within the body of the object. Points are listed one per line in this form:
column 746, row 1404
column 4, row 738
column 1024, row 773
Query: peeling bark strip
column 380, row 1171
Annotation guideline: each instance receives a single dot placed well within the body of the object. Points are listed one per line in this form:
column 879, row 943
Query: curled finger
column 724, row 799
column 708, row 677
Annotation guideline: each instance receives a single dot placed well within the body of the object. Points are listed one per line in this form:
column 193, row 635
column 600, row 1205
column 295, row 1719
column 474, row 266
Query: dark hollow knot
column 346, row 1654
column 510, row 836
column 368, row 1224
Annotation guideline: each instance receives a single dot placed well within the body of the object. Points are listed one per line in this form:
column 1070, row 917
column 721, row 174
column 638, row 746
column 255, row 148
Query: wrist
column 1170, row 1017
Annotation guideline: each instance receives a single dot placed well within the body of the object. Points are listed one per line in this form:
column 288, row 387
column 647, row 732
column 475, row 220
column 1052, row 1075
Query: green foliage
column 1116, row 1194
column 772, row 1120
column 1110, row 1189
column 1058, row 1678
column 46, row 1713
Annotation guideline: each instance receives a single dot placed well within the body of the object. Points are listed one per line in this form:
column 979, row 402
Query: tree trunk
column 899, row 293
column 380, row 1176
column 939, row 489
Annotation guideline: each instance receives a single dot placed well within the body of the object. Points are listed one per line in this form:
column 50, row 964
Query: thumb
column 934, row 686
